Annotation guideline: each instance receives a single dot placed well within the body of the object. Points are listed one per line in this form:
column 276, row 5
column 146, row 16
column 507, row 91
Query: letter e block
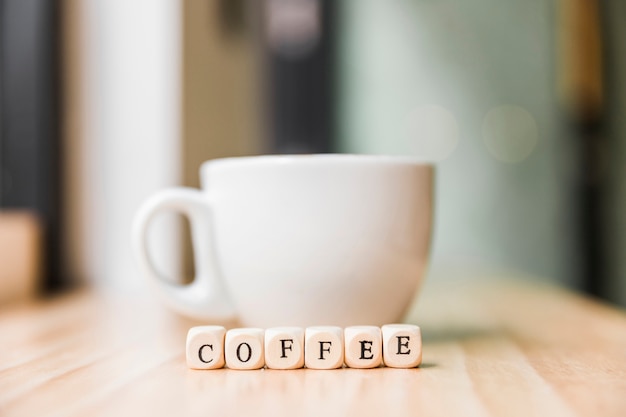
column 364, row 346
column 402, row 345
column 205, row 347
column 244, row 348
column 284, row 347
column 323, row 347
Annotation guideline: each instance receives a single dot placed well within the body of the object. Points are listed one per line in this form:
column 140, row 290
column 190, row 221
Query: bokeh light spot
column 510, row 133
column 433, row 132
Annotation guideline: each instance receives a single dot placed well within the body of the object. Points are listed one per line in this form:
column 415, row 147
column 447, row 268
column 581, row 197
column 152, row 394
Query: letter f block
column 284, row 348
column 323, row 347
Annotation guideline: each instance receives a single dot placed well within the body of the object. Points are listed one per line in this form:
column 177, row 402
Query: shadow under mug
column 299, row 240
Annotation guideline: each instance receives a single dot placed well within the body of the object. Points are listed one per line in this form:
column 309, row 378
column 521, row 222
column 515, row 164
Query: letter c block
column 205, row 347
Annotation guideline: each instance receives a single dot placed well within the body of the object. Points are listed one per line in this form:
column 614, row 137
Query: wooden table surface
column 498, row 348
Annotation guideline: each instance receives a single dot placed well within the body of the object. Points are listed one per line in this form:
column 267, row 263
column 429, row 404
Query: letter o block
column 364, row 346
column 402, row 345
column 284, row 347
column 323, row 348
column 244, row 348
column 205, row 347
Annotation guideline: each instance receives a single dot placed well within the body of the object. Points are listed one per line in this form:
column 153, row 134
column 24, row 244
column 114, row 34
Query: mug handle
column 205, row 297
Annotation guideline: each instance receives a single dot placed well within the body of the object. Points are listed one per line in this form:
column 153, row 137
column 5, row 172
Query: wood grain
column 496, row 349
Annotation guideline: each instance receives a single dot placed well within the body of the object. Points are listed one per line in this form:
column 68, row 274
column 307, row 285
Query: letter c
column 200, row 353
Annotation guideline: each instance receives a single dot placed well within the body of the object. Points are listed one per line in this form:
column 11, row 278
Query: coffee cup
column 299, row 240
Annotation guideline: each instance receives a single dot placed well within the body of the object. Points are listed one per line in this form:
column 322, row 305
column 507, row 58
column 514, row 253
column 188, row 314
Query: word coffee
column 319, row 347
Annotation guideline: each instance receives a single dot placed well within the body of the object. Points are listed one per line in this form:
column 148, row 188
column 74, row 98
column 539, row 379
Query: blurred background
column 103, row 102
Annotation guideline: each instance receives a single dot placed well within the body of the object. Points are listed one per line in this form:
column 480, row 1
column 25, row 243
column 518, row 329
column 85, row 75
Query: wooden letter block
column 402, row 345
column 323, row 347
column 364, row 346
column 284, row 348
column 205, row 347
column 244, row 348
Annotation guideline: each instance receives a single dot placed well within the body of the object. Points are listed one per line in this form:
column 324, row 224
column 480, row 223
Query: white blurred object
column 124, row 142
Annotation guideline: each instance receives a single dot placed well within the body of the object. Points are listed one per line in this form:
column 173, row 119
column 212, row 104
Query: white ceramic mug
column 300, row 240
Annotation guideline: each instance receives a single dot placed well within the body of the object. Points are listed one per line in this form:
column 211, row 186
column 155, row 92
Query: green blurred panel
column 472, row 83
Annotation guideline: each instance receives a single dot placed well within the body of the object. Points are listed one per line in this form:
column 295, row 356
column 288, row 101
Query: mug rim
column 320, row 158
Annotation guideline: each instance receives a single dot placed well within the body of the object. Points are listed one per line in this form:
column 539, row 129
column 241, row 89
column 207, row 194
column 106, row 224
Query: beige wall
column 220, row 93
column 220, row 88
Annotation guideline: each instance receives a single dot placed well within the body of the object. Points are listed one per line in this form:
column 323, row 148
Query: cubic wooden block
column 205, row 347
column 363, row 346
column 402, row 345
column 323, row 347
column 20, row 255
column 284, row 347
column 244, row 348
